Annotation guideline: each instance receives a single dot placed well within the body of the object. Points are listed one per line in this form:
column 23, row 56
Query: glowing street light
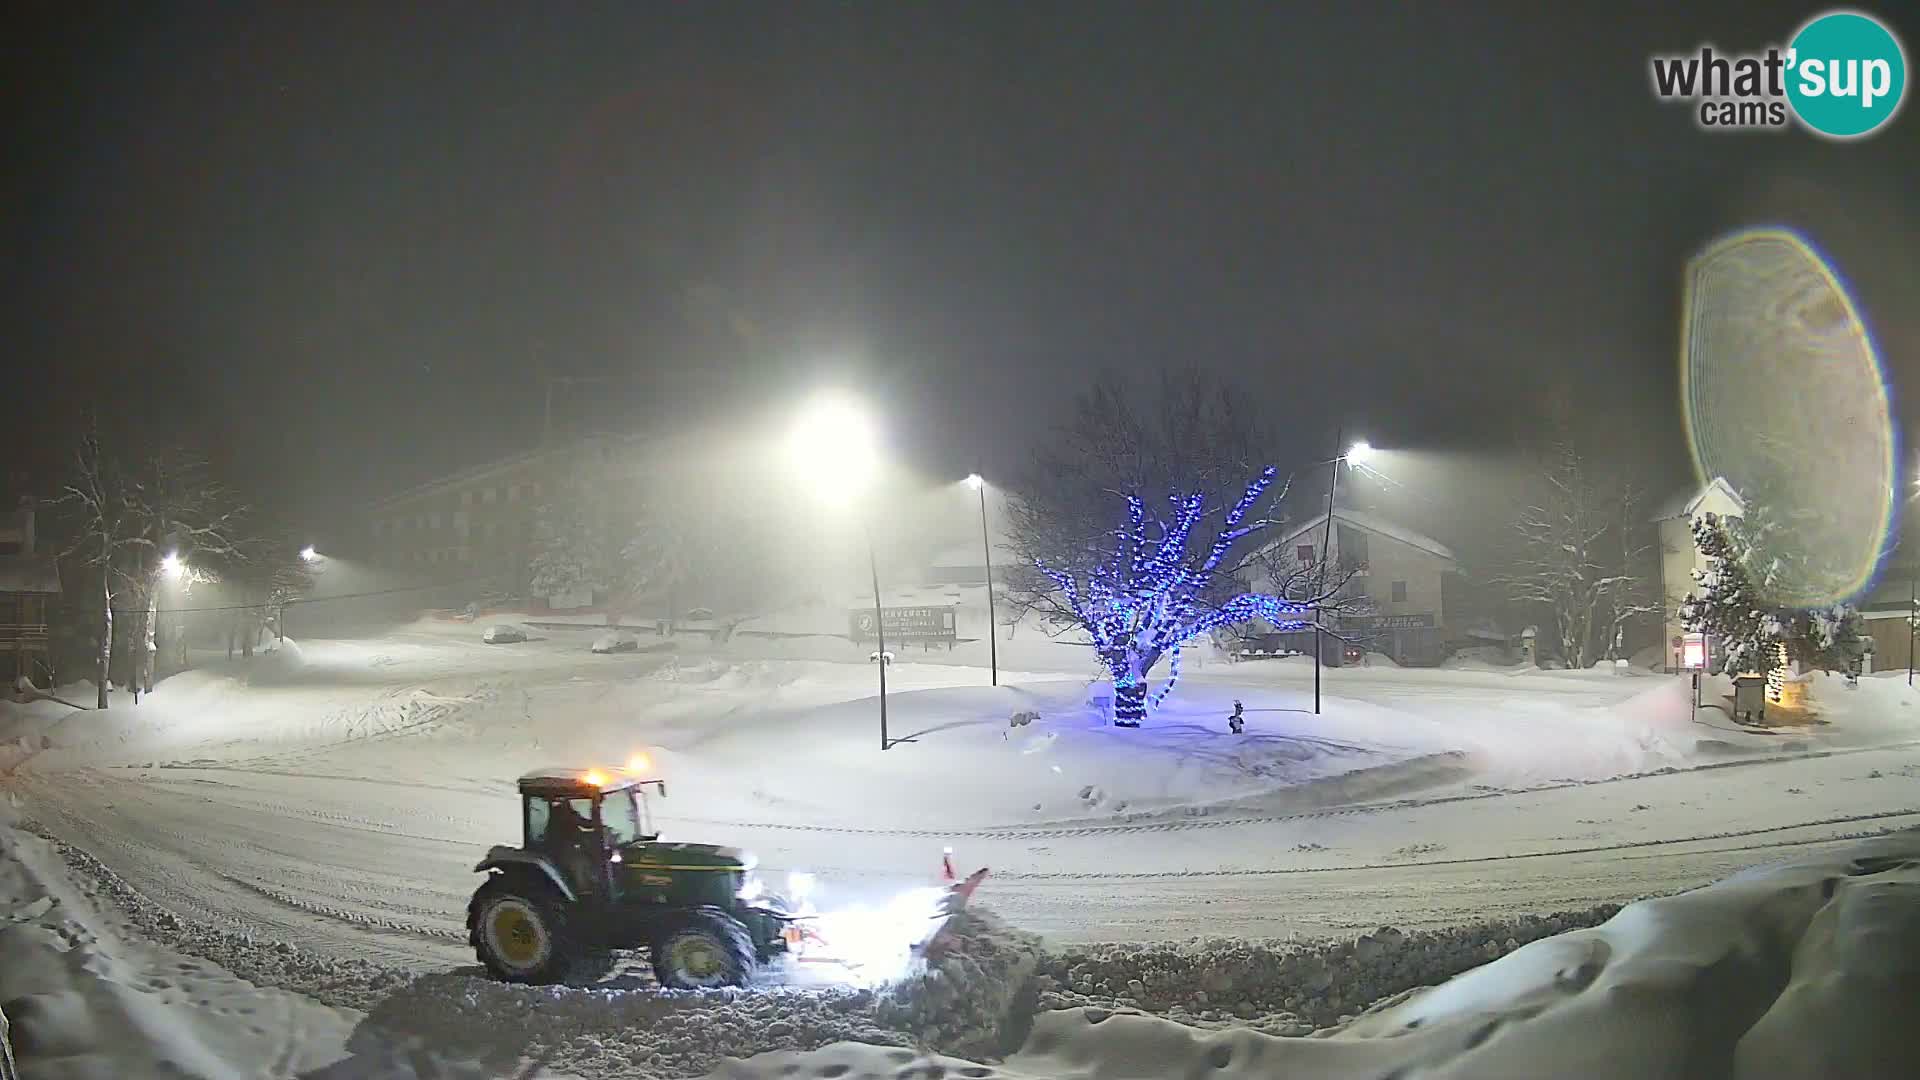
column 1359, row 452
column 307, row 554
column 834, row 449
column 171, row 565
column 979, row 484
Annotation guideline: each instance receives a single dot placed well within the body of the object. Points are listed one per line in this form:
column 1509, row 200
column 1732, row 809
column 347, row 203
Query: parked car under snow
column 618, row 641
column 502, row 634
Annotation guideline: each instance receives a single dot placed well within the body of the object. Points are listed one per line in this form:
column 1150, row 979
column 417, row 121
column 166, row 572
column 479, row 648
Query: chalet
column 29, row 584
column 1679, row 558
column 1401, row 571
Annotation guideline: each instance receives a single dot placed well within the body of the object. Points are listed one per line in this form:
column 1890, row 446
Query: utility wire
column 313, row 600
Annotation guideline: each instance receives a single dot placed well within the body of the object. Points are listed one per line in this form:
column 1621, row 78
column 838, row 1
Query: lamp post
column 1358, row 452
column 833, row 448
column 979, row 484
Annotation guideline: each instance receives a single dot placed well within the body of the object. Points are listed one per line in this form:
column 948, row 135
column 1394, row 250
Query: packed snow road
column 338, row 799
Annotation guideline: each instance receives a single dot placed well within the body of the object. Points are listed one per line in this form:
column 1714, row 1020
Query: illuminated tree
column 1154, row 592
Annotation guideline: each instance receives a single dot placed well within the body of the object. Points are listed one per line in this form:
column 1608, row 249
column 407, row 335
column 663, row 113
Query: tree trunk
column 144, row 646
column 1130, row 670
column 106, row 635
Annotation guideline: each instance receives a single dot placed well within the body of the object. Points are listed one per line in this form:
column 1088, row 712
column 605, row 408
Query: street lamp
column 834, row 450
column 171, row 565
column 1357, row 454
column 307, row 554
column 979, row 485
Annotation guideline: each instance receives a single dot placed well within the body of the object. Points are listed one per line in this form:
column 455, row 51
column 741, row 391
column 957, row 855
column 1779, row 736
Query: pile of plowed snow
column 1803, row 970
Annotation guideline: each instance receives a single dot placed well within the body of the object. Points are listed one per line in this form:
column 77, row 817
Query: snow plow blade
column 959, row 894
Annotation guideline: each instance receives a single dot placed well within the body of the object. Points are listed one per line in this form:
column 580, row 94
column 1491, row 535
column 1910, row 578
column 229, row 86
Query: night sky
column 335, row 240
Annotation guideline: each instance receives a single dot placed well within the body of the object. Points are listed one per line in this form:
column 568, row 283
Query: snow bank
column 86, row 998
column 1788, row 972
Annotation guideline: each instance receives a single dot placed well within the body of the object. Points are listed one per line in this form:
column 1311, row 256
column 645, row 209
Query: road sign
column 1422, row 621
column 906, row 624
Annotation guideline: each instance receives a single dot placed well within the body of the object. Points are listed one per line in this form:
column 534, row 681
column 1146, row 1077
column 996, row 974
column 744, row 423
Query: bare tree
column 1583, row 555
column 138, row 523
column 1326, row 589
column 1194, row 433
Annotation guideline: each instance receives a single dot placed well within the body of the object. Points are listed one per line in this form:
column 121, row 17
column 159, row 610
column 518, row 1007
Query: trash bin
column 1750, row 697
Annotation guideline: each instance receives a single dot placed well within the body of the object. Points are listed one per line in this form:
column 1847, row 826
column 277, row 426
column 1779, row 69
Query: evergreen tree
column 569, row 547
column 1733, row 604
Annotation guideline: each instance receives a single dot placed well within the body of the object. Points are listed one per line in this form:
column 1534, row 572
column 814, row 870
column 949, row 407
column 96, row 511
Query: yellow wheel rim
column 516, row 936
column 697, row 960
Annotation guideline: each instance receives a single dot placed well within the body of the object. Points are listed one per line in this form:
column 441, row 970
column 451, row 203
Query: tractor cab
column 586, row 820
column 596, row 827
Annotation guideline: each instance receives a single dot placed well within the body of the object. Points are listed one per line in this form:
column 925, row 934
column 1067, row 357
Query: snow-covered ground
column 333, row 796
column 1801, row 971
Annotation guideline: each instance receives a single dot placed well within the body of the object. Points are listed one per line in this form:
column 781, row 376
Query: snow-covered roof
column 28, row 574
column 1360, row 519
column 1686, row 502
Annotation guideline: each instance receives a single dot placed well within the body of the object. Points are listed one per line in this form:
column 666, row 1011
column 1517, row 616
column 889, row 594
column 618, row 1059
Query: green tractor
column 592, row 876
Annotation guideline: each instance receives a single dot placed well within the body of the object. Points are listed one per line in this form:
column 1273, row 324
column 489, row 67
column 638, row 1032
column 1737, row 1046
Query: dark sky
column 335, row 238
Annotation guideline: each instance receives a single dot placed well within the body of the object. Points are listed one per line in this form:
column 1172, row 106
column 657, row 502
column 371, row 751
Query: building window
column 1399, row 592
column 1304, row 553
column 1353, row 548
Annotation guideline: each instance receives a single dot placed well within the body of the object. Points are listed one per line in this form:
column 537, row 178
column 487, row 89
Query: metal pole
column 986, row 546
column 1326, row 550
column 879, row 635
column 1913, row 610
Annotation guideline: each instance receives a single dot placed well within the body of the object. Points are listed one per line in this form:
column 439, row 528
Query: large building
column 29, row 584
column 476, row 525
column 1402, row 572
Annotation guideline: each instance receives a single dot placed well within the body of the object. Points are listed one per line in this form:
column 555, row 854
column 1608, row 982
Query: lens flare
column 1786, row 398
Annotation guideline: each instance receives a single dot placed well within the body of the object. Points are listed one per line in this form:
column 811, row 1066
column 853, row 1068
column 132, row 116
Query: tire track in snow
column 1024, row 832
column 1628, row 845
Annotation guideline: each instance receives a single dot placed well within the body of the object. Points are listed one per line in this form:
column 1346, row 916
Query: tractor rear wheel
column 702, row 951
column 519, row 931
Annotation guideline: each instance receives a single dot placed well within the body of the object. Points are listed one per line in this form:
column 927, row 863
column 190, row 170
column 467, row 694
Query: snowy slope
column 1791, row 972
column 87, row 997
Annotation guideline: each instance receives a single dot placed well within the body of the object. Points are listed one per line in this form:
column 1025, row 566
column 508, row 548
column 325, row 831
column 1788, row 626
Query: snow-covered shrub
column 616, row 642
column 503, row 634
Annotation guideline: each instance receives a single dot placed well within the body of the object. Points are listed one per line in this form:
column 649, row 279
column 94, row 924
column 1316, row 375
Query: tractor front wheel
column 705, row 950
column 520, row 933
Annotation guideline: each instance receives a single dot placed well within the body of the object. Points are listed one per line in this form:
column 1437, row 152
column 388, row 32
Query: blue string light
column 1160, row 602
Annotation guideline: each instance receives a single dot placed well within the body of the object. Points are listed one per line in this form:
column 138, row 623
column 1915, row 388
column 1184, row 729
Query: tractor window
column 621, row 818
column 558, row 821
column 536, row 821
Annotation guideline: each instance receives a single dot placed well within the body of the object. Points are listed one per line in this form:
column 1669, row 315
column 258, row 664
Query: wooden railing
column 27, row 633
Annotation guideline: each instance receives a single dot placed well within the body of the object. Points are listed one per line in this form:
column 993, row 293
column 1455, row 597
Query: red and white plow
column 876, row 943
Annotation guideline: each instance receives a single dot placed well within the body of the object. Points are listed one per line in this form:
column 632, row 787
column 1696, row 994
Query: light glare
column 1359, row 452
column 833, row 447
